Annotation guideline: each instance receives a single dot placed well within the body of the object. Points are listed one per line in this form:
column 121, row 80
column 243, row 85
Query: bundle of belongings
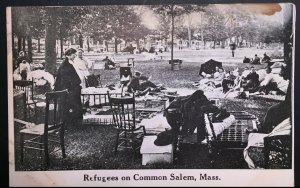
column 186, row 113
column 254, row 152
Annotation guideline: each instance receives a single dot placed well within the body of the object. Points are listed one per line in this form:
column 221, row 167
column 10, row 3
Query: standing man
column 68, row 78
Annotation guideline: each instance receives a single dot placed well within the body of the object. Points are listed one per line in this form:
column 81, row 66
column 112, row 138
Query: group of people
column 138, row 83
column 256, row 60
column 71, row 76
column 249, row 80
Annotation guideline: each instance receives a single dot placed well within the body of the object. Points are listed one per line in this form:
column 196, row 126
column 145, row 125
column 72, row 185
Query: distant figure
column 256, row 60
column 109, row 64
column 246, row 60
column 267, row 59
column 24, row 69
column 20, row 59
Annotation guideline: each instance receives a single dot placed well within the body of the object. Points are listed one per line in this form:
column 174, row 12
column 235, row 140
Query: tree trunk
column 50, row 42
column 88, row 43
column 137, row 44
column 19, row 44
column 116, row 45
column 172, row 44
column 80, row 40
column 61, row 47
column 29, row 43
column 24, row 44
column 39, row 46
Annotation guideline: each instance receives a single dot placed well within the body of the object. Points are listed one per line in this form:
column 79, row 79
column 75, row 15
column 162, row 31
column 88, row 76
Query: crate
column 152, row 154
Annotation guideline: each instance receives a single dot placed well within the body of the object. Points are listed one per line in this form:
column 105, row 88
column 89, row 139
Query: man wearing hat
column 67, row 78
column 83, row 66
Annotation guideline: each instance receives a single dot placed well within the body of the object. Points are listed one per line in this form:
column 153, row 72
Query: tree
column 175, row 10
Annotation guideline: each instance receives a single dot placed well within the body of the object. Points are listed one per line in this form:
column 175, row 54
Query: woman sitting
column 214, row 82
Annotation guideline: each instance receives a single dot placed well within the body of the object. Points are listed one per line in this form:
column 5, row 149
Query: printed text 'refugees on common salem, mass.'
column 138, row 177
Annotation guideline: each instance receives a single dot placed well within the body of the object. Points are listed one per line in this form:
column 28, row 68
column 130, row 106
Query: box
column 152, row 154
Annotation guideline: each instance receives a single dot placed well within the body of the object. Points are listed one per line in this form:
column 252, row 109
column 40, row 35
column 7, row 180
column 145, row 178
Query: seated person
column 273, row 82
column 205, row 75
column 228, row 82
column 141, row 84
column 214, row 82
column 246, row 60
column 109, row 63
column 278, row 112
column 251, row 81
column 266, row 58
column 256, row 60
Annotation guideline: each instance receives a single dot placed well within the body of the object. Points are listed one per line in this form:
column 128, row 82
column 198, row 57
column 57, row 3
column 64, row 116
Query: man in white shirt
column 273, row 82
column 83, row 66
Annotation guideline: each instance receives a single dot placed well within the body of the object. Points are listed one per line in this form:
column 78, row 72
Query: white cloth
column 82, row 66
column 257, row 139
column 24, row 67
column 41, row 76
column 219, row 127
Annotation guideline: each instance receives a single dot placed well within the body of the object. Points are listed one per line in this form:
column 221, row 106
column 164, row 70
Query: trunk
column 19, row 44
column 29, row 43
column 61, row 47
column 50, row 42
column 172, row 44
column 88, row 43
column 214, row 44
column 39, row 45
column 106, row 45
column 137, row 44
column 190, row 38
column 24, row 44
column 116, row 45
column 80, row 40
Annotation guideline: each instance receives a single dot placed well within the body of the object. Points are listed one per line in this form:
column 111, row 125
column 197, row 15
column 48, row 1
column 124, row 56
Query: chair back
column 26, row 86
column 55, row 111
column 123, row 109
column 93, row 80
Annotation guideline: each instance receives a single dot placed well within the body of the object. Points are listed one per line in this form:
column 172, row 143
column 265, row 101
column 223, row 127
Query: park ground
column 91, row 147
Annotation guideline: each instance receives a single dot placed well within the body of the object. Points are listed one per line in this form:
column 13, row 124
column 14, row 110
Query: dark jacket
column 253, row 76
column 67, row 78
column 189, row 113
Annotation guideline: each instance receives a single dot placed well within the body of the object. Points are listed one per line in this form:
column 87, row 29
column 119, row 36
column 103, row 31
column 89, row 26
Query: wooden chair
column 93, row 81
column 28, row 87
column 37, row 137
column 128, row 134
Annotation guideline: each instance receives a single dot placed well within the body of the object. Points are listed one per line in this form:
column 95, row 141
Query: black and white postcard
column 151, row 94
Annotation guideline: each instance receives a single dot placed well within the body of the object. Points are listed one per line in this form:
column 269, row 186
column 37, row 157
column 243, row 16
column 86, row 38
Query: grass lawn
column 91, row 147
